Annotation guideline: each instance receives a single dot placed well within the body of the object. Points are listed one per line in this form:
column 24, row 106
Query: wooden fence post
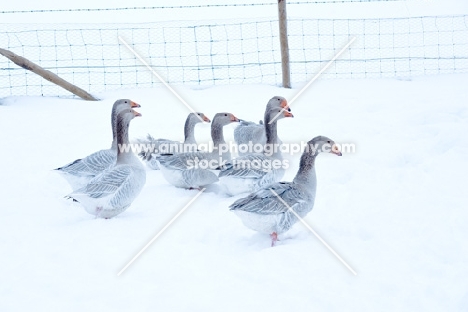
column 283, row 34
column 46, row 74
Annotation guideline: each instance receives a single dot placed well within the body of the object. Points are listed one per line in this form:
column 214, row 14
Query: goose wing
column 249, row 131
column 181, row 161
column 264, row 202
column 106, row 183
column 249, row 166
column 92, row 164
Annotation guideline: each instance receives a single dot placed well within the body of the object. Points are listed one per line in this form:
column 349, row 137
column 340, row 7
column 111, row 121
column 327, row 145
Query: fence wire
column 193, row 6
column 236, row 52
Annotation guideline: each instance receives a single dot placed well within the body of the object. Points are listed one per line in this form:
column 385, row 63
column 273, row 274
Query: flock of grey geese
column 106, row 182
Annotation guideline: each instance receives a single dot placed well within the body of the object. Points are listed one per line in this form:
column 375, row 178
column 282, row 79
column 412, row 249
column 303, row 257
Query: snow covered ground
column 395, row 210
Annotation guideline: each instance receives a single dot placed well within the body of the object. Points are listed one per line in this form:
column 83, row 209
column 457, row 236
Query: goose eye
column 125, row 101
column 225, row 114
column 328, row 142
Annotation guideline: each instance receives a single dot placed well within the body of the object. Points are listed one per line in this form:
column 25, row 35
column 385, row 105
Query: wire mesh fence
column 192, row 6
column 234, row 52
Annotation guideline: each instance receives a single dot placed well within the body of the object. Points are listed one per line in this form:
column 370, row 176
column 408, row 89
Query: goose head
column 198, row 117
column 121, row 104
column 223, row 119
column 279, row 113
column 323, row 144
column 278, row 101
column 127, row 114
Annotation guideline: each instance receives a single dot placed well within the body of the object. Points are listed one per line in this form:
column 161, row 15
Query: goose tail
column 149, row 144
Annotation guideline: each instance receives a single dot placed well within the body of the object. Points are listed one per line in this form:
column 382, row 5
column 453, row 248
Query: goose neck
column 271, row 132
column 306, row 173
column 114, row 130
column 189, row 131
column 217, row 134
column 124, row 151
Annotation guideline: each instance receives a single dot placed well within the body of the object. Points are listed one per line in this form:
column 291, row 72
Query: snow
column 395, row 210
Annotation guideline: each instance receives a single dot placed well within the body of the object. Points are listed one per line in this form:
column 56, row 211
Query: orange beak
column 234, row 118
column 287, row 114
column 134, row 105
column 136, row 114
column 284, row 104
column 335, row 150
column 206, row 119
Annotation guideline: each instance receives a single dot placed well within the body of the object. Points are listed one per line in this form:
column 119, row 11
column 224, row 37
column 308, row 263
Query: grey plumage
column 262, row 211
column 251, row 172
column 81, row 171
column 181, row 170
column 112, row 192
column 249, row 131
column 155, row 146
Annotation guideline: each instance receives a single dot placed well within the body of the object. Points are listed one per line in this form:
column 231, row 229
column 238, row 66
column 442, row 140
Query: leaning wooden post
column 48, row 75
column 283, row 32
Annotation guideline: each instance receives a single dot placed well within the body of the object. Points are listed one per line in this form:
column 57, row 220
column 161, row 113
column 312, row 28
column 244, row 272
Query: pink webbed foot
column 274, row 239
